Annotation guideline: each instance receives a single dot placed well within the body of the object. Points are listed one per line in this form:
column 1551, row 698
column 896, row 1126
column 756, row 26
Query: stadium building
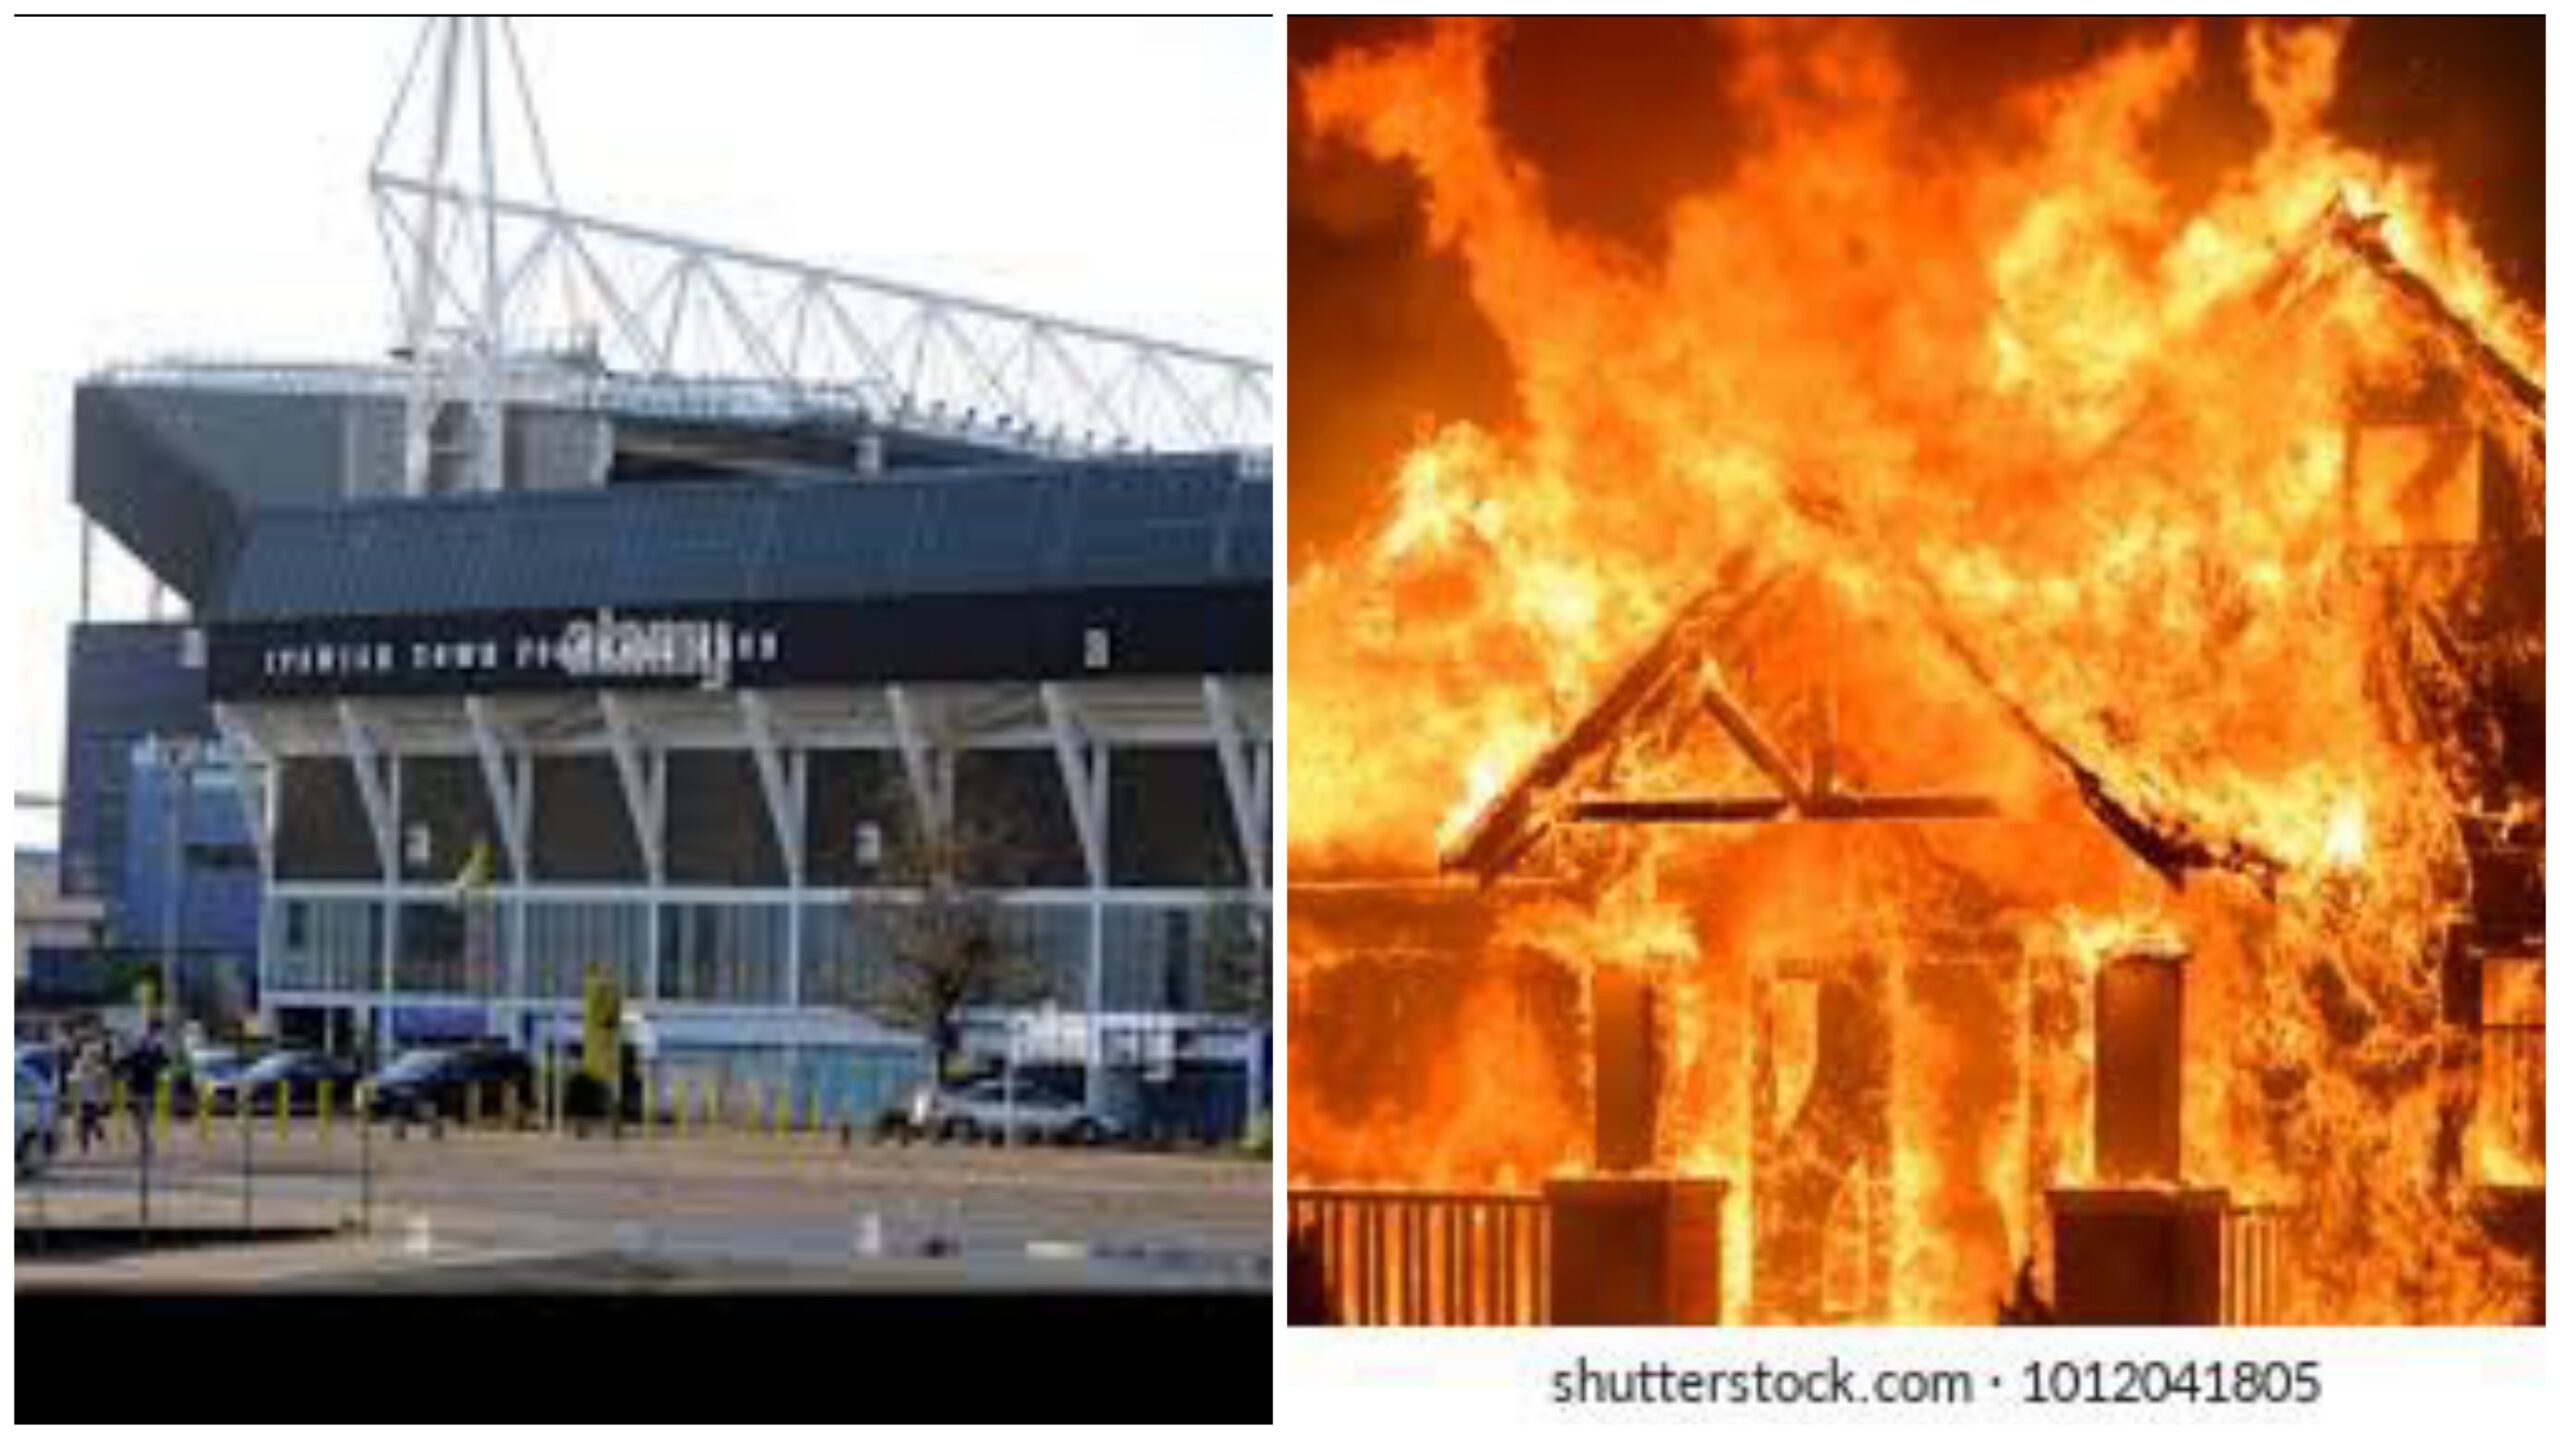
column 526, row 661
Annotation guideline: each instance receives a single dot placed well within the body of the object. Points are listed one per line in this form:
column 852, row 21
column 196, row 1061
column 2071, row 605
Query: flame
column 2061, row 453
column 2343, row 846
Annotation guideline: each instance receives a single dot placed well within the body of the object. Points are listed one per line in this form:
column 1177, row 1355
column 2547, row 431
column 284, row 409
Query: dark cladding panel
column 581, row 824
column 444, row 813
column 860, row 815
column 719, row 829
column 2139, row 1003
column 321, row 829
column 1171, row 823
column 1015, row 821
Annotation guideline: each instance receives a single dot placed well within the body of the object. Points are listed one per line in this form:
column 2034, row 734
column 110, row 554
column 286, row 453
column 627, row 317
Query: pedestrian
column 142, row 1070
column 89, row 1092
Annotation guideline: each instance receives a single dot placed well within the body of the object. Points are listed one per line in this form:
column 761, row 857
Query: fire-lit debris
column 2067, row 839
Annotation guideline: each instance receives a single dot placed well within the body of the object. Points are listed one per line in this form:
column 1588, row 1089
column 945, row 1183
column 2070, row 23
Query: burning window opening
column 2006, row 786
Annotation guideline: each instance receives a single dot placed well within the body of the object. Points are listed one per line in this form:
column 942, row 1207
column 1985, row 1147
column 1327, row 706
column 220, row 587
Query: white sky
column 198, row 187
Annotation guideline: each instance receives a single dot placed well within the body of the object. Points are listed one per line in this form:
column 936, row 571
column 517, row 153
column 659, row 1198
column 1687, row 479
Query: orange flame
column 2070, row 458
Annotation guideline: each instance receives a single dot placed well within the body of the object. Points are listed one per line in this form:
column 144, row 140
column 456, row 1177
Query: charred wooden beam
column 2361, row 236
column 1737, row 722
column 1751, row 809
column 1900, row 807
column 1675, row 810
column 2170, row 846
column 1512, row 825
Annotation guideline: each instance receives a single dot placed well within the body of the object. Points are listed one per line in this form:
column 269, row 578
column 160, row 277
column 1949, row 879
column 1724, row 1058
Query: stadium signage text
column 602, row 647
column 753, row 645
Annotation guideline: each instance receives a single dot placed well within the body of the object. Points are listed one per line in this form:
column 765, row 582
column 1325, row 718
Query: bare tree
column 1235, row 952
column 949, row 949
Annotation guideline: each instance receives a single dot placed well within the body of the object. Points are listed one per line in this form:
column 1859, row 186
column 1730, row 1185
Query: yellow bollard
column 284, row 1112
column 204, row 1114
column 777, row 1104
column 326, row 1086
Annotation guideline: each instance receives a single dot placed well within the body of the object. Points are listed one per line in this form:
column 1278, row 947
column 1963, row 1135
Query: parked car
column 38, row 1134
column 207, row 1070
column 45, row 1059
column 991, row 1108
column 430, row 1083
column 299, row 1074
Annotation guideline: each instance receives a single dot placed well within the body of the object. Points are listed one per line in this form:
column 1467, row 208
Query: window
column 2509, row 1126
column 729, row 954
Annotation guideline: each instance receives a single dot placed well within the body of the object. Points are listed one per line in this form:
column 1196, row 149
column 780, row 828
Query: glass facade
column 723, row 932
column 844, row 955
column 724, row 953
column 563, row 938
column 329, row 945
column 449, row 949
column 1152, row 959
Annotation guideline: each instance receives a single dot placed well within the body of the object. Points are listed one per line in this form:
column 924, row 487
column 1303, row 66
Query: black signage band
column 1062, row 635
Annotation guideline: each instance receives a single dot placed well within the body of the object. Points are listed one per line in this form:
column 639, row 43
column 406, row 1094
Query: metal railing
column 1419, row 1257
column 2255, row 1266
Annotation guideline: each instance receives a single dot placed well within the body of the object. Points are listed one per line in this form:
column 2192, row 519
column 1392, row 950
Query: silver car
column 983, row 1110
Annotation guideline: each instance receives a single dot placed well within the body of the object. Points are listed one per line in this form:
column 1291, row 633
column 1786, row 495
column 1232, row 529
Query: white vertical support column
column 799, row 771
column 1076, row 771
column 379, row 792
column 656, row 909
column 519, row 918
column 504, row 800
column 775, row 777
column 1098, row 926
column 372, row 787
column 782, row 775
column 1262, row 804
column 254, row 779
column 916, row 752
column 1080, row 769
column 1237, row 768
column 642, row 770
column 391, row 913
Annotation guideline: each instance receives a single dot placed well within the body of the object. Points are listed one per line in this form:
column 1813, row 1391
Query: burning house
column 2002, row 785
